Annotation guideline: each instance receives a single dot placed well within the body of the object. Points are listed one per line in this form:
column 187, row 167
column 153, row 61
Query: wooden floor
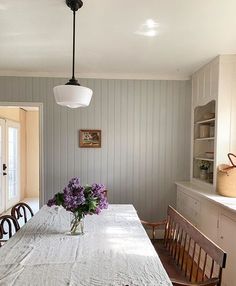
column 171, row 268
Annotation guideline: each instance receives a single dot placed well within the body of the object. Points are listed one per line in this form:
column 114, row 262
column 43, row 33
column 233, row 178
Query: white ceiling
column 35, row 37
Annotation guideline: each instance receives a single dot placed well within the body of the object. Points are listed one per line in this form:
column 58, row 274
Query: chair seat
column 170, row 266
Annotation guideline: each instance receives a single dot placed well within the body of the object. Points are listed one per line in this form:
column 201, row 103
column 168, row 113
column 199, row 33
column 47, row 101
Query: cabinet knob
column 221, row 237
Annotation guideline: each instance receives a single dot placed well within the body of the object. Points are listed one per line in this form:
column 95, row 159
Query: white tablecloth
column 114, row 251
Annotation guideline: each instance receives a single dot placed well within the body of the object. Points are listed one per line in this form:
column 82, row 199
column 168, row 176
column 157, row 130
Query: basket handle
column 226, row 169
column 230, row 155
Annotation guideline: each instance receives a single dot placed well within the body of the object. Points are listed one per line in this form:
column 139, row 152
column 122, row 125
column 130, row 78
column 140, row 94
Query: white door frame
column 41, row 159
column 3, row 153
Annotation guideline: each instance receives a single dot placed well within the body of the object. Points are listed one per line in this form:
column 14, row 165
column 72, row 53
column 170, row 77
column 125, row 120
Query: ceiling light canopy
column 72, row 94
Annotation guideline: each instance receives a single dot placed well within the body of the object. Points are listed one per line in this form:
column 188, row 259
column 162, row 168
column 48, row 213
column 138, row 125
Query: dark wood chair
column 105, row 192
column 153, row 226
column 22, row 210
column 8, row 226
column 1, row 235
column 189, row 257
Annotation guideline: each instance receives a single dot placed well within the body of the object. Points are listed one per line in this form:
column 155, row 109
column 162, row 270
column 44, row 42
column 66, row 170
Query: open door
column 9, row 164
column 11, row 171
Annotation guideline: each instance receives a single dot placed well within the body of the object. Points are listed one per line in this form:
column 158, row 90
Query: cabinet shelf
column 204, row 138
column 205, row 121
column 204, row 147
column 204, row 159
column 207, row 182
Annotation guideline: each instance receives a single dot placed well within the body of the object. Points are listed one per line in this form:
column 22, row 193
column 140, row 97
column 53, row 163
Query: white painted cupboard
column 215, row 216
column 213, row 91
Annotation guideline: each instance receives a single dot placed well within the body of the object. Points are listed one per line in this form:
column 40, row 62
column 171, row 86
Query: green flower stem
column 75, row 223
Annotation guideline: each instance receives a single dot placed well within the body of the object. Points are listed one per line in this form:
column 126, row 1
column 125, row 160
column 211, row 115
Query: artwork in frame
column 89, row 138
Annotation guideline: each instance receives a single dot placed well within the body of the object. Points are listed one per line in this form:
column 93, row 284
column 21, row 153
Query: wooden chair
column 22, row 210
column 8, row 226
column 189, row 257
column 153, row 226
column 105, row 192
column 1, row 235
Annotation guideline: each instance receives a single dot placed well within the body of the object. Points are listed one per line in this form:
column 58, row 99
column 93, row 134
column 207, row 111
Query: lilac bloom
column 81, row 200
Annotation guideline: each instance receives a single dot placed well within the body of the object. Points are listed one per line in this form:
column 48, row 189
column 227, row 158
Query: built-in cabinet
column 213, row 118
column 214, row 219
column 213, row 136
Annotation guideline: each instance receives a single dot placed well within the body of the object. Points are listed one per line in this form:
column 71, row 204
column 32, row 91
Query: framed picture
column 90, row 138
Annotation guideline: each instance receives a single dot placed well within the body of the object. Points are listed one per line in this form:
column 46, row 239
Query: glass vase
column 203, row 174
column 76, row 225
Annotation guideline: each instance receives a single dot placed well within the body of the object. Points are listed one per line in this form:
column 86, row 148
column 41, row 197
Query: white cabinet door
column 195, row 90
column 209, row 218
column 193, row 210
column 205, row 84
column 180, row 201
column 226, row 240
column 189, row 207
column 201, row 88
column 215, row 70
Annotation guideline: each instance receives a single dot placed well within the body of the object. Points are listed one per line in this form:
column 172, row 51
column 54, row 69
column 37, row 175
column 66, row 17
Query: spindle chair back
column 186, row 253
column 22, row 210
column 8, row 227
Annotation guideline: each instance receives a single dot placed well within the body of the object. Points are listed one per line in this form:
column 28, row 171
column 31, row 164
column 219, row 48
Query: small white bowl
column 209, row 115
column 210, row 155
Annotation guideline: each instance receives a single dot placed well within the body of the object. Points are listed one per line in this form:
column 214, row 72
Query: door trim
column 3, row 153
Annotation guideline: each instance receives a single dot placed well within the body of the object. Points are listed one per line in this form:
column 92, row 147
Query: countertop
column 226, row 202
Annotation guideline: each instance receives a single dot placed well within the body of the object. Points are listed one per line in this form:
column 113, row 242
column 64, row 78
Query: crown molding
column 128, row 76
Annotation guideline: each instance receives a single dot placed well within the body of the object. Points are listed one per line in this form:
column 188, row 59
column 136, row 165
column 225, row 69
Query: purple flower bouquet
column 80, row 200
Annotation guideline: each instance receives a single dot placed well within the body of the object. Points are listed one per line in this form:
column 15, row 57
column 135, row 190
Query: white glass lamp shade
column 72, row 96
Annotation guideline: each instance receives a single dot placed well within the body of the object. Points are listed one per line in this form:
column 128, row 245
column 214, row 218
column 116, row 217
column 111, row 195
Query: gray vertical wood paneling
column 145, row 137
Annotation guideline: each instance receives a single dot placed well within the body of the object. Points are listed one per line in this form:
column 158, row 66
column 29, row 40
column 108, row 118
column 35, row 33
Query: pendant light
column 72, row 94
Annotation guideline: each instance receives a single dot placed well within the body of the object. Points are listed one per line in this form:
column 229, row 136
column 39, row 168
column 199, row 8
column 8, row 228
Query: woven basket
column 226, row 179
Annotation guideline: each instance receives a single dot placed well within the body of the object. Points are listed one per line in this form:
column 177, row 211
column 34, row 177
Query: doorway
column 20, row 155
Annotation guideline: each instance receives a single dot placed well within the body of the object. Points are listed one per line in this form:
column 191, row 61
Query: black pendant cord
column 73, row 61
column 74, row 6
column 73, row 80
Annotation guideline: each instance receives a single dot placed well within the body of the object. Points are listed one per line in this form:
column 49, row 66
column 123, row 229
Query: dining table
column 113, row 251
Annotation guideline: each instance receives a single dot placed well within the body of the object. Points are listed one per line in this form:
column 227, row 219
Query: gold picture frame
column 90, row 138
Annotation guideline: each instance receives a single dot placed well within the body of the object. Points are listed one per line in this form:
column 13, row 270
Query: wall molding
column 129, row 76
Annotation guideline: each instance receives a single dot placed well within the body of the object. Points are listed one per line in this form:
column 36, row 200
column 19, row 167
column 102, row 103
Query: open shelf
column 204, row 159
column 205, row 138
column 205, row 121
column 207, row 182
column 204, row 144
